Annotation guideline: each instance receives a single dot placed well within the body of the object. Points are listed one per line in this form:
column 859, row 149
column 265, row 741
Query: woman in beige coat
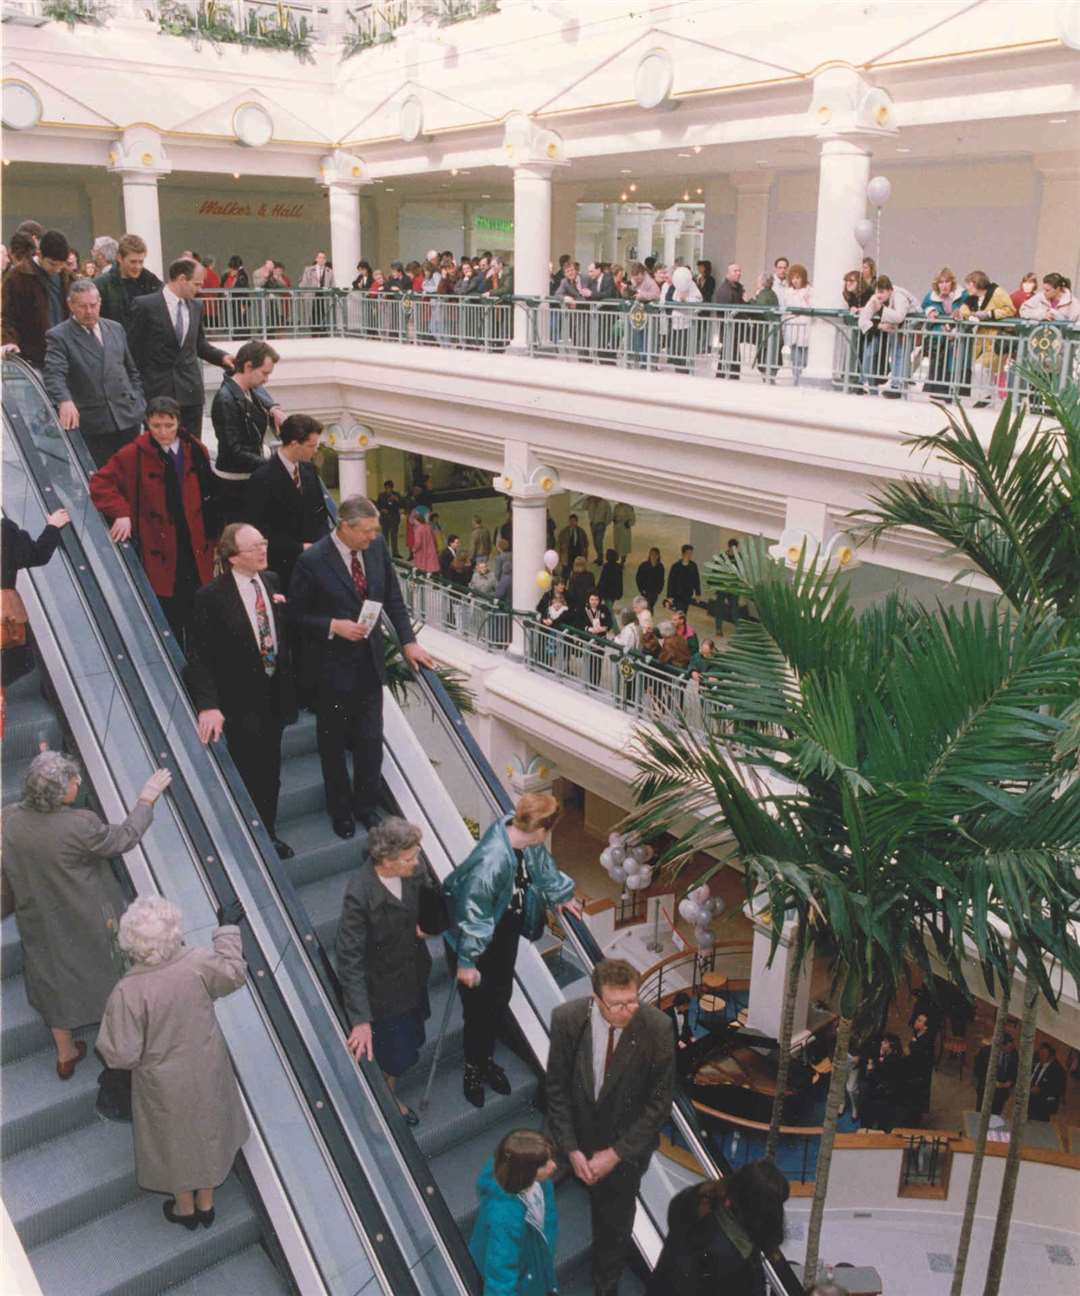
column 67, row 902
column 160, row 1024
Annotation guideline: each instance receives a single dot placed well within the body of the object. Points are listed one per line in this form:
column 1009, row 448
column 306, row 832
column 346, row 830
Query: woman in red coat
column 158, row 490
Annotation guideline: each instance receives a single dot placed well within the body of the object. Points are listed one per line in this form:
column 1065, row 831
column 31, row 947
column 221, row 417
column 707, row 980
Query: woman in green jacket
column 513, row 1241
column 494, row 895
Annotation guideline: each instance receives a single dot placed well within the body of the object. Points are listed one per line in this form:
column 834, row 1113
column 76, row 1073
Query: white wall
column 441, row 225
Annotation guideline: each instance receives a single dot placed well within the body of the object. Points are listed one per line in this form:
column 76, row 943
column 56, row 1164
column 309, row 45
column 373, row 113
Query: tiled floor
column 914, row 1252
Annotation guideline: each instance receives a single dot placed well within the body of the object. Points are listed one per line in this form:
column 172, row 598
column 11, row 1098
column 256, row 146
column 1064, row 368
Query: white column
column 345, row 240
column 843, row 177
column 532, row 237
column 142, row 216
column 671, row 225
column 767, row 984
column 351, row 442
column 1056, row 245
column 611, row 232
column 646, row 230
column 529, row 544
column 752, row 222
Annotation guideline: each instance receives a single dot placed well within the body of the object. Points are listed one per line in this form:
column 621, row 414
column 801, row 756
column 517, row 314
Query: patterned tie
column 266, row 638
column 359, row 579
column 610, row 1053
column 296, row 478
column 180, row 323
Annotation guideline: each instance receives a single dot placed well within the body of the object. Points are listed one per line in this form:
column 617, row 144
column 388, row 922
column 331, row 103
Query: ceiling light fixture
column 763, row 162
column 625, row 171
column 697, row 148
column 1058, row 121
column 622, row 196
column 453, row 170
column 485, row 195
column 903, row 150
column 389, row 189
column 236, row 175
column 701, row 191
column 686, row 197
column 633, row 188
column 682, row 154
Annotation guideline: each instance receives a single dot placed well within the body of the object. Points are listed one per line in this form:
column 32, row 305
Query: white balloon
column 703, row 938
column 879, row 190
column 617, row 854
column 551, row 559
column 638, row 881
column 682, row 278
column 864, row 233
column 617, row 873
column 700, row 895
column 643, row 853
column 615, row 839
column 605, row 858
column 689, row 910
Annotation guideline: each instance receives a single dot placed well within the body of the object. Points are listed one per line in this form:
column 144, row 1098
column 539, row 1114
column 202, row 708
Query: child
column 513, row 1241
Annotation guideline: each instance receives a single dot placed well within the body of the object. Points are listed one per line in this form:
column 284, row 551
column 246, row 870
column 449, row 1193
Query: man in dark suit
column 285, row 497
column 610, row 1086
column 239, row 672
column 684, row 580
column 344, row 662
column 91, row 377
column 1047, row 1084
column 1008, row 1068
column 168, row 341
column 573, row 543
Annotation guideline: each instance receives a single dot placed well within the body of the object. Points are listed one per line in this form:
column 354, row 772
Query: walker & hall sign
column 258, row 211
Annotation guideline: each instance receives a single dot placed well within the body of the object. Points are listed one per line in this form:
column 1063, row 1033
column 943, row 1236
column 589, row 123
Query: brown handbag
column 13, row 619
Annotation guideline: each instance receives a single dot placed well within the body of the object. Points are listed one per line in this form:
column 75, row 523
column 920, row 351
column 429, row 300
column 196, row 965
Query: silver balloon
column 700, row 895
column 689, row 910
column 879, row 191
column 643, row 853
column 606, row 861
column 617, row 854
column 617, row 873
column 638, row 881
column 864, row 233
column 703, row 938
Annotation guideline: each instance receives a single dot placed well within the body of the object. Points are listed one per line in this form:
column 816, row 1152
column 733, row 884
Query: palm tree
column 1015, row 517
column 870, row 762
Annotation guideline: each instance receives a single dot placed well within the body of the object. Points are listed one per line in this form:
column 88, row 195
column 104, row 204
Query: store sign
column 258, row 211
column 493, row 225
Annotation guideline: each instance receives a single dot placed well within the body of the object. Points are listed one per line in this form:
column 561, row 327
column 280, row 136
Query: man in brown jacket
column 35, row 293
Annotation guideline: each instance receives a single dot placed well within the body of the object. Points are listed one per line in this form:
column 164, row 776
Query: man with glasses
column 239, row 669
column 610, row 1086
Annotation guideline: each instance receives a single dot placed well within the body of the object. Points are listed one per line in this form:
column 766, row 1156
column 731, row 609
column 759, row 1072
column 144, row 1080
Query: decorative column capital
column 530, row 774
column 532, row 147
column 139, row 156
column 528, row 484
column 341, row 170
column 845, row 104
column 349, row 438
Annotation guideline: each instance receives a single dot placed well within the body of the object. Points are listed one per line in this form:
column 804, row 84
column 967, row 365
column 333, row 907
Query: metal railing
column 974, row 360
column 477, row 617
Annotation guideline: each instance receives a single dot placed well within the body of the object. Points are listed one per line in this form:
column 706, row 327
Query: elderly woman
column 499, row 892
column 674, row 650
column 66, row 899
column 482, row 580
column 383, row 958
column 161, row 1026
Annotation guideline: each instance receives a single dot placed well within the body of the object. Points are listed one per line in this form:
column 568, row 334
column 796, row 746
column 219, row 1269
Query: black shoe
column 981, row 404
column 368, row 819
column 496, row 1078
column 474, row 1085
column 205, row 1218
column 284, row 850
column 410, row 1117
column 344, row 826
column 190, row 1222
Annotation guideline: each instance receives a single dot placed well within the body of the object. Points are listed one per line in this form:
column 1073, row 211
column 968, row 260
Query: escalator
column 435, row 776
column 323, row 1201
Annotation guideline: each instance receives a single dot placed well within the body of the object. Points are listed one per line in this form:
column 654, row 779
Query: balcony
column 923, row 359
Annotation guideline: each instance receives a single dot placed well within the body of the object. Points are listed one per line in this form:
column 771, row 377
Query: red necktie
column 610, row 1053
column 359, row 579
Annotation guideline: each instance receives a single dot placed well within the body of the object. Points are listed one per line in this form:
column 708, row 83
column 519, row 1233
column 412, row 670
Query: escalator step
column 21, row 1029
column 302, row 790
column 134, row 1251
column 248, row 1273
column 11, row 954
column 320, row 852
column 54, row 1187
column 38, row 1106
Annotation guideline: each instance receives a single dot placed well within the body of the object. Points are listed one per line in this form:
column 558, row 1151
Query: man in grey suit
column 90, row 375
column 610, row 1086
column 316, row 310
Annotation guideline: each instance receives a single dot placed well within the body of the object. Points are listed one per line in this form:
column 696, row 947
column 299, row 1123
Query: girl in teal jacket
column 513, row 1241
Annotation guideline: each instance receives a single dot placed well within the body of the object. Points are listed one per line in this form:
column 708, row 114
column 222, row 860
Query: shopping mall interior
column 756, row 321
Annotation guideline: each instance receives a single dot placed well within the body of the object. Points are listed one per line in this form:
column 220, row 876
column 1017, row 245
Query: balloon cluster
column 626, row 860
column 700, row 908
column 551, row 561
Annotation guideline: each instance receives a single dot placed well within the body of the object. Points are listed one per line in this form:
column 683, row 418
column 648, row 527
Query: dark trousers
column 180, row 604
column 350, row 719
column 191, row 417
column 232, row 501
column 612, row 1202
column 485, row 1005
column 598, row 533
column 254, row 741
column 1001, row 1097
column 103, row 445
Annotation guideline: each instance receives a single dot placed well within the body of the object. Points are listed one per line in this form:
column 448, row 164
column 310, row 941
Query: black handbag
column 433, row 913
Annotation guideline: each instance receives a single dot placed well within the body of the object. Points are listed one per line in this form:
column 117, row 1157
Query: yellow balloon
column 543, row 580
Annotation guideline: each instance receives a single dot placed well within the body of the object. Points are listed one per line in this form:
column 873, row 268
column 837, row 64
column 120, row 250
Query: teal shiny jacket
column 479, row 889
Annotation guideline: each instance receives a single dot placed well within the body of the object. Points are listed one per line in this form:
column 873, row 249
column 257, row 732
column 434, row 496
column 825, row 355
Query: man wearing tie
column 91, row 377
column 344, row 664
column 1047, row 1084
column 318, row 275
column 168, row 342
column 239, row 672
column 610, row 1086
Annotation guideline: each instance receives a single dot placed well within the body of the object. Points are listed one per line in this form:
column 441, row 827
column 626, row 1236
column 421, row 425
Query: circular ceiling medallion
column 654, row 78
column 253, row 125
column 22, row 106
column 411, row 119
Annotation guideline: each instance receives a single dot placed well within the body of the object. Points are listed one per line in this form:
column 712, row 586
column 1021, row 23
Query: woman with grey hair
column 160, row 1025
column 66, row 898
column 391, row 907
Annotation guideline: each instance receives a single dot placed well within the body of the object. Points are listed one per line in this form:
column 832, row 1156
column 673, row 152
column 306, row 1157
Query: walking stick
column 438, row 1045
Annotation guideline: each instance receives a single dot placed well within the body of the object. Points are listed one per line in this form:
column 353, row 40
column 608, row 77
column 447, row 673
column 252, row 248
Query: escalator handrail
column 315, row 953
column 348, row 1165
column 588, row 951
